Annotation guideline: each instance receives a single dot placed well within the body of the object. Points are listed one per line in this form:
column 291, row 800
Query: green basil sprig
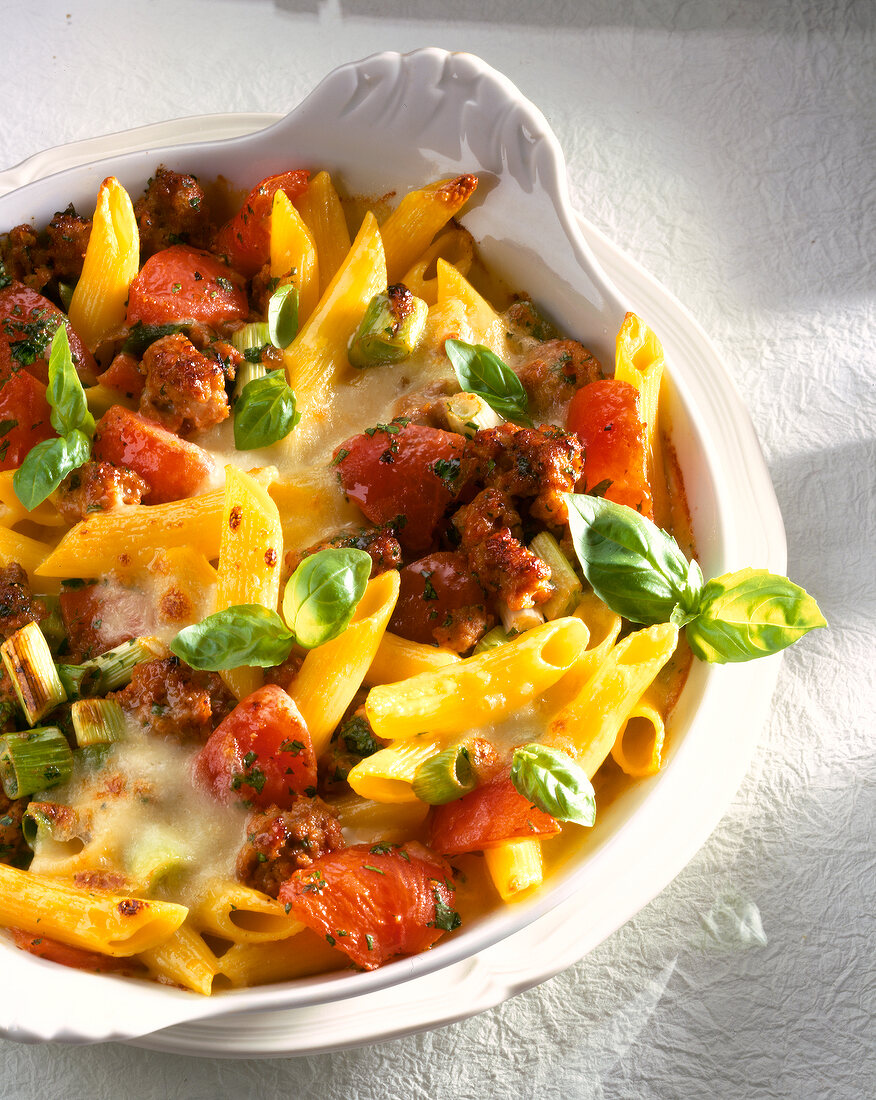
column 48, row 463
column 641, row 573
column 318, row 604
column 322, row 594
column 483, row 373
column 554, row 782
column 283, row 316
column 265, row 413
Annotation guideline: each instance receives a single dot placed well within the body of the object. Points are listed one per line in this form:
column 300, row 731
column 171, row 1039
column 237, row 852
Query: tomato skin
column 605, row 417
column 43, row 947
column 172, row 467
column 123, row 375
column 245, row 757
column 391, row 473
column 23, row 400
column 181, row 283
column 246, row 239
column 25, row 315
column 485, row 818
column 430, row 589
column 382, row 897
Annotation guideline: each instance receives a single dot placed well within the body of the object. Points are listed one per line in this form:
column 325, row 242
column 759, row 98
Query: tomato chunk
column 123, row 375
column 605, row 417
column 28, row 322
column 24, row 418
column 46, row 948
column 485, row 818
column 261, row 753
column 433, row 591
column 181, row 283
column 172, row 467
column 374, row 901
column 403, row 470
column 246, row 239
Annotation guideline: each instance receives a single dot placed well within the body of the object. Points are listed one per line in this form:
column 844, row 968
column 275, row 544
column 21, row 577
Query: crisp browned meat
column 98, row 487
column 489, row 512
column 172, row 700
column 534, row 464
column 173, row 210
column 24, row 257
column 552, row 373
column 283, row 675
column 35, row 259
column 383, row 548
column 13, row 848
column 279, row 842
column 17, row 605
column 185, row 390
column 68, row 235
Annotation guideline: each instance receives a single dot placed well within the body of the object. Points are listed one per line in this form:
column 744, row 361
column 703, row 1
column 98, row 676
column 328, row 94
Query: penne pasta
column 638, row 747
column 242, row 915
column 455, row 247
column 322, row 213
column 387, row 775
column 398, row 659
column 410, row 228
column 183, row 959
column 515, row 866
column 485, row 326
column 293, row 254
column 247, row 964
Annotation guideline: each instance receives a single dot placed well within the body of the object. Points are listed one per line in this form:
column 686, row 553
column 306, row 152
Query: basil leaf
column 554, row 782
column 322, row 594
column 65, row 393
column 482, row 373
column 246, row 634
column 633, row 566
column 283, row 316
column 750, row 614
column 141, row 336
column 265, row 412
column 47, row 464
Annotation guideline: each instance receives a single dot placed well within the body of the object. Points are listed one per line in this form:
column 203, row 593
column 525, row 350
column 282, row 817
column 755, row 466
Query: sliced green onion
column 390, row 330
column 517, row 622
column 29, row 662
column 495, row 637
column 97, row 721
column 43, row 822
column 567, row 586
column 52, row 625
column 116, row 666
column 78, row 680
column 156, row 853
column 247, row 372
column 65, row 293
column 467, row 413
column 444, row 777
column 34, row 761
column 251, row 338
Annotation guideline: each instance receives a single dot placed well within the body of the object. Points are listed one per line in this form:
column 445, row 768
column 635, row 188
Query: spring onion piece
column 65, row 293
column 567, row 586
column 97, row 721
column 34, row 761
column 390, row 329
column 115, row 667
column 247, row 372
column 445, row 777
column 156, row 853
column 45, row 822
column 29, row 662
column 52, row 625
column 467, row 413
column 516, row 622
column 495, row 637
column 78, row 680
column 250, row 340
column 35, row 822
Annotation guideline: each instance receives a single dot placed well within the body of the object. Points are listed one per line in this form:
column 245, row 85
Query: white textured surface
column 730, row 148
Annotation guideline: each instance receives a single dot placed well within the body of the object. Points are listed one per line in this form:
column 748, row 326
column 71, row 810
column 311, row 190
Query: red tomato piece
column 374, row 901
column 100, row 616
column 246, row 239
column 24, row 418
column 485, row 818
column 79, row 958
column 261, row 753
column 430, row 590
column 28, row 321
column 172, row 467
column 605, row 417
column 403, row 470
column 181, row 284
column 123, row 375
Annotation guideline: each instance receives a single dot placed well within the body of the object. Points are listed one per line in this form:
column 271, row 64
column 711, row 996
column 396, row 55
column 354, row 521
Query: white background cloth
column 730, row 146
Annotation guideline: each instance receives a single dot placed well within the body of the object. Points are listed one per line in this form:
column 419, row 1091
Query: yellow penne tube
column 318, row 354
column 112, row 259
column 409, row 229
column 387, row 775
column 312, row 503
column 639, row 360
column 13, row 511
column 237, row 913
column 112, row 924
column 515, row 866
column 638, row 747
column 185, row 585
column 183, row 959
column 603, row 627
column 332, row 674
column 478, row 690
column 397, row 659
column 456, row 247
column 322, row 213
column 485, row 325
column 366, row 821
column 130, row 536
column 588, row 726
column 30, row 553
column 247, row 964
column 293, row 254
